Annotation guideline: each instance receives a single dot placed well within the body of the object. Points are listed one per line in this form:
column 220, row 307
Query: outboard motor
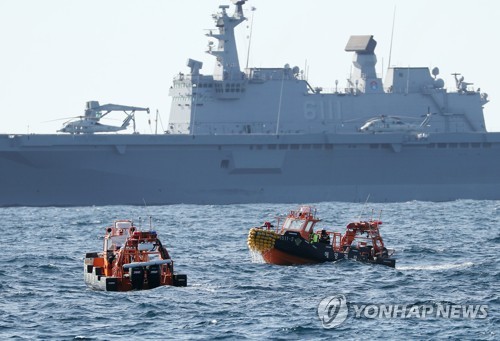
column 180, row 280
column 137, row 277
column 153, row 273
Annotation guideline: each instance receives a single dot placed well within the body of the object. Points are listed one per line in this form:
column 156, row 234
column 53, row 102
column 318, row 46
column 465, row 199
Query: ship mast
column 227, row 66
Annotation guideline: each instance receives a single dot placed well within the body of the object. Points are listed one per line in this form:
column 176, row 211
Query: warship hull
column 113, row 169
column 264, row 134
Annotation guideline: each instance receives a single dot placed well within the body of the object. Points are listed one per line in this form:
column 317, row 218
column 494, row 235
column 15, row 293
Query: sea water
column 447, row 254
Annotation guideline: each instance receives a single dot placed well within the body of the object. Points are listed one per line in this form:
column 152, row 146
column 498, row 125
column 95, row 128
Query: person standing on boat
column 314, row 238
column 325, row 237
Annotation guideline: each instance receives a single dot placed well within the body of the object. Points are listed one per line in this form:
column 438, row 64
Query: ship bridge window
column 464, row 145
column 306, row 146
column 309, row 226
column 486, row 145
column 291, row 224
column 283, row 146
column 271, row 146
column 374, row 146
column 317, row 146
column 475, row 145
column 453, row 145
column 123, row 224
column 442, row 145
column 294, row 146
column 328, row 146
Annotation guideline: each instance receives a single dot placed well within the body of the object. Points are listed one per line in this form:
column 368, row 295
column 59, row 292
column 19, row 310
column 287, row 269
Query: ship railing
column 395, row 90
column 233, row 128
column 345, row 90
column 253, row 129
column 335, row 237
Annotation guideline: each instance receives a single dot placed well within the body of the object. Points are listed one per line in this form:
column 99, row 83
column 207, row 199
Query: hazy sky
column 58, row 54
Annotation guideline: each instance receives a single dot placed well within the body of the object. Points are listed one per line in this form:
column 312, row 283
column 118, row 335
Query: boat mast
column 250, row 37
column 392, row 36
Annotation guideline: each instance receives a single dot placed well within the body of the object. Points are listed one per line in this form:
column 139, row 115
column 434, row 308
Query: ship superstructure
column 280, row 101
column 264, row 134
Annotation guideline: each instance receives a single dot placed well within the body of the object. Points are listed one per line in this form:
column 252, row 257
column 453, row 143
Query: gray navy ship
column 266, row 135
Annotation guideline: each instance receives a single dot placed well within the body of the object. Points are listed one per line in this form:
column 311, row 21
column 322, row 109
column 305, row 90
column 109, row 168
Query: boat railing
column 270, row 227
column 336, row 240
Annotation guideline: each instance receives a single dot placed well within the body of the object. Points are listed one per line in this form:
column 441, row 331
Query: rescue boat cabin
column 143, row 246
column 117, row 235
column 358, row 235
column 301, row 221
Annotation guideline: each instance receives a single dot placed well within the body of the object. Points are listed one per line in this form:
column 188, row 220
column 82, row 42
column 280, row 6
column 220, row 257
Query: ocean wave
column 436, row 267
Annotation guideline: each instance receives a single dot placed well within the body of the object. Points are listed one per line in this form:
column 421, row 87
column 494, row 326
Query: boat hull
column 278, row 257
column 99, row 282
column 137, row 278
column 55, row 170
column 291, row 249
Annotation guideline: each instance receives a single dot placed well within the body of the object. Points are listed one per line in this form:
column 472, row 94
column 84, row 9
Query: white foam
column 437, row 267
column 256, row 257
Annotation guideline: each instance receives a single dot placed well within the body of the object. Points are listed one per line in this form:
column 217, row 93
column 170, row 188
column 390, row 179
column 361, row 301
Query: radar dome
column 439, row 83
column 435, row 72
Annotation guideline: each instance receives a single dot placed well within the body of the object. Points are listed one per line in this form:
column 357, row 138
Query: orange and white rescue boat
column 297, row 241
column 131, row 260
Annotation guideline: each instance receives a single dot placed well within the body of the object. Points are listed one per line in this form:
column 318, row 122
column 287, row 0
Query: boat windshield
column 292, row 224
column 309, row 226
column 123, row 225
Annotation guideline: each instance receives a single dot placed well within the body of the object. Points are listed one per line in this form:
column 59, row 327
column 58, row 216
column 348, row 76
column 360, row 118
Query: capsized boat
column 131, row 260
column 297, row 242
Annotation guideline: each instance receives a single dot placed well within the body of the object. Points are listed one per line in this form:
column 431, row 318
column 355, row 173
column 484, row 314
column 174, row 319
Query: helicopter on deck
column 391, row 124
column 89, row 123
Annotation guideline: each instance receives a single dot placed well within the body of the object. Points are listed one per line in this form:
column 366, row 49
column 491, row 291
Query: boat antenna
column 392, row 36
column 149, row 214
column 149, row 122
column 156, row 123
column 161, row 122
column 250, row 36
column 305, row 74
column 363, row 208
